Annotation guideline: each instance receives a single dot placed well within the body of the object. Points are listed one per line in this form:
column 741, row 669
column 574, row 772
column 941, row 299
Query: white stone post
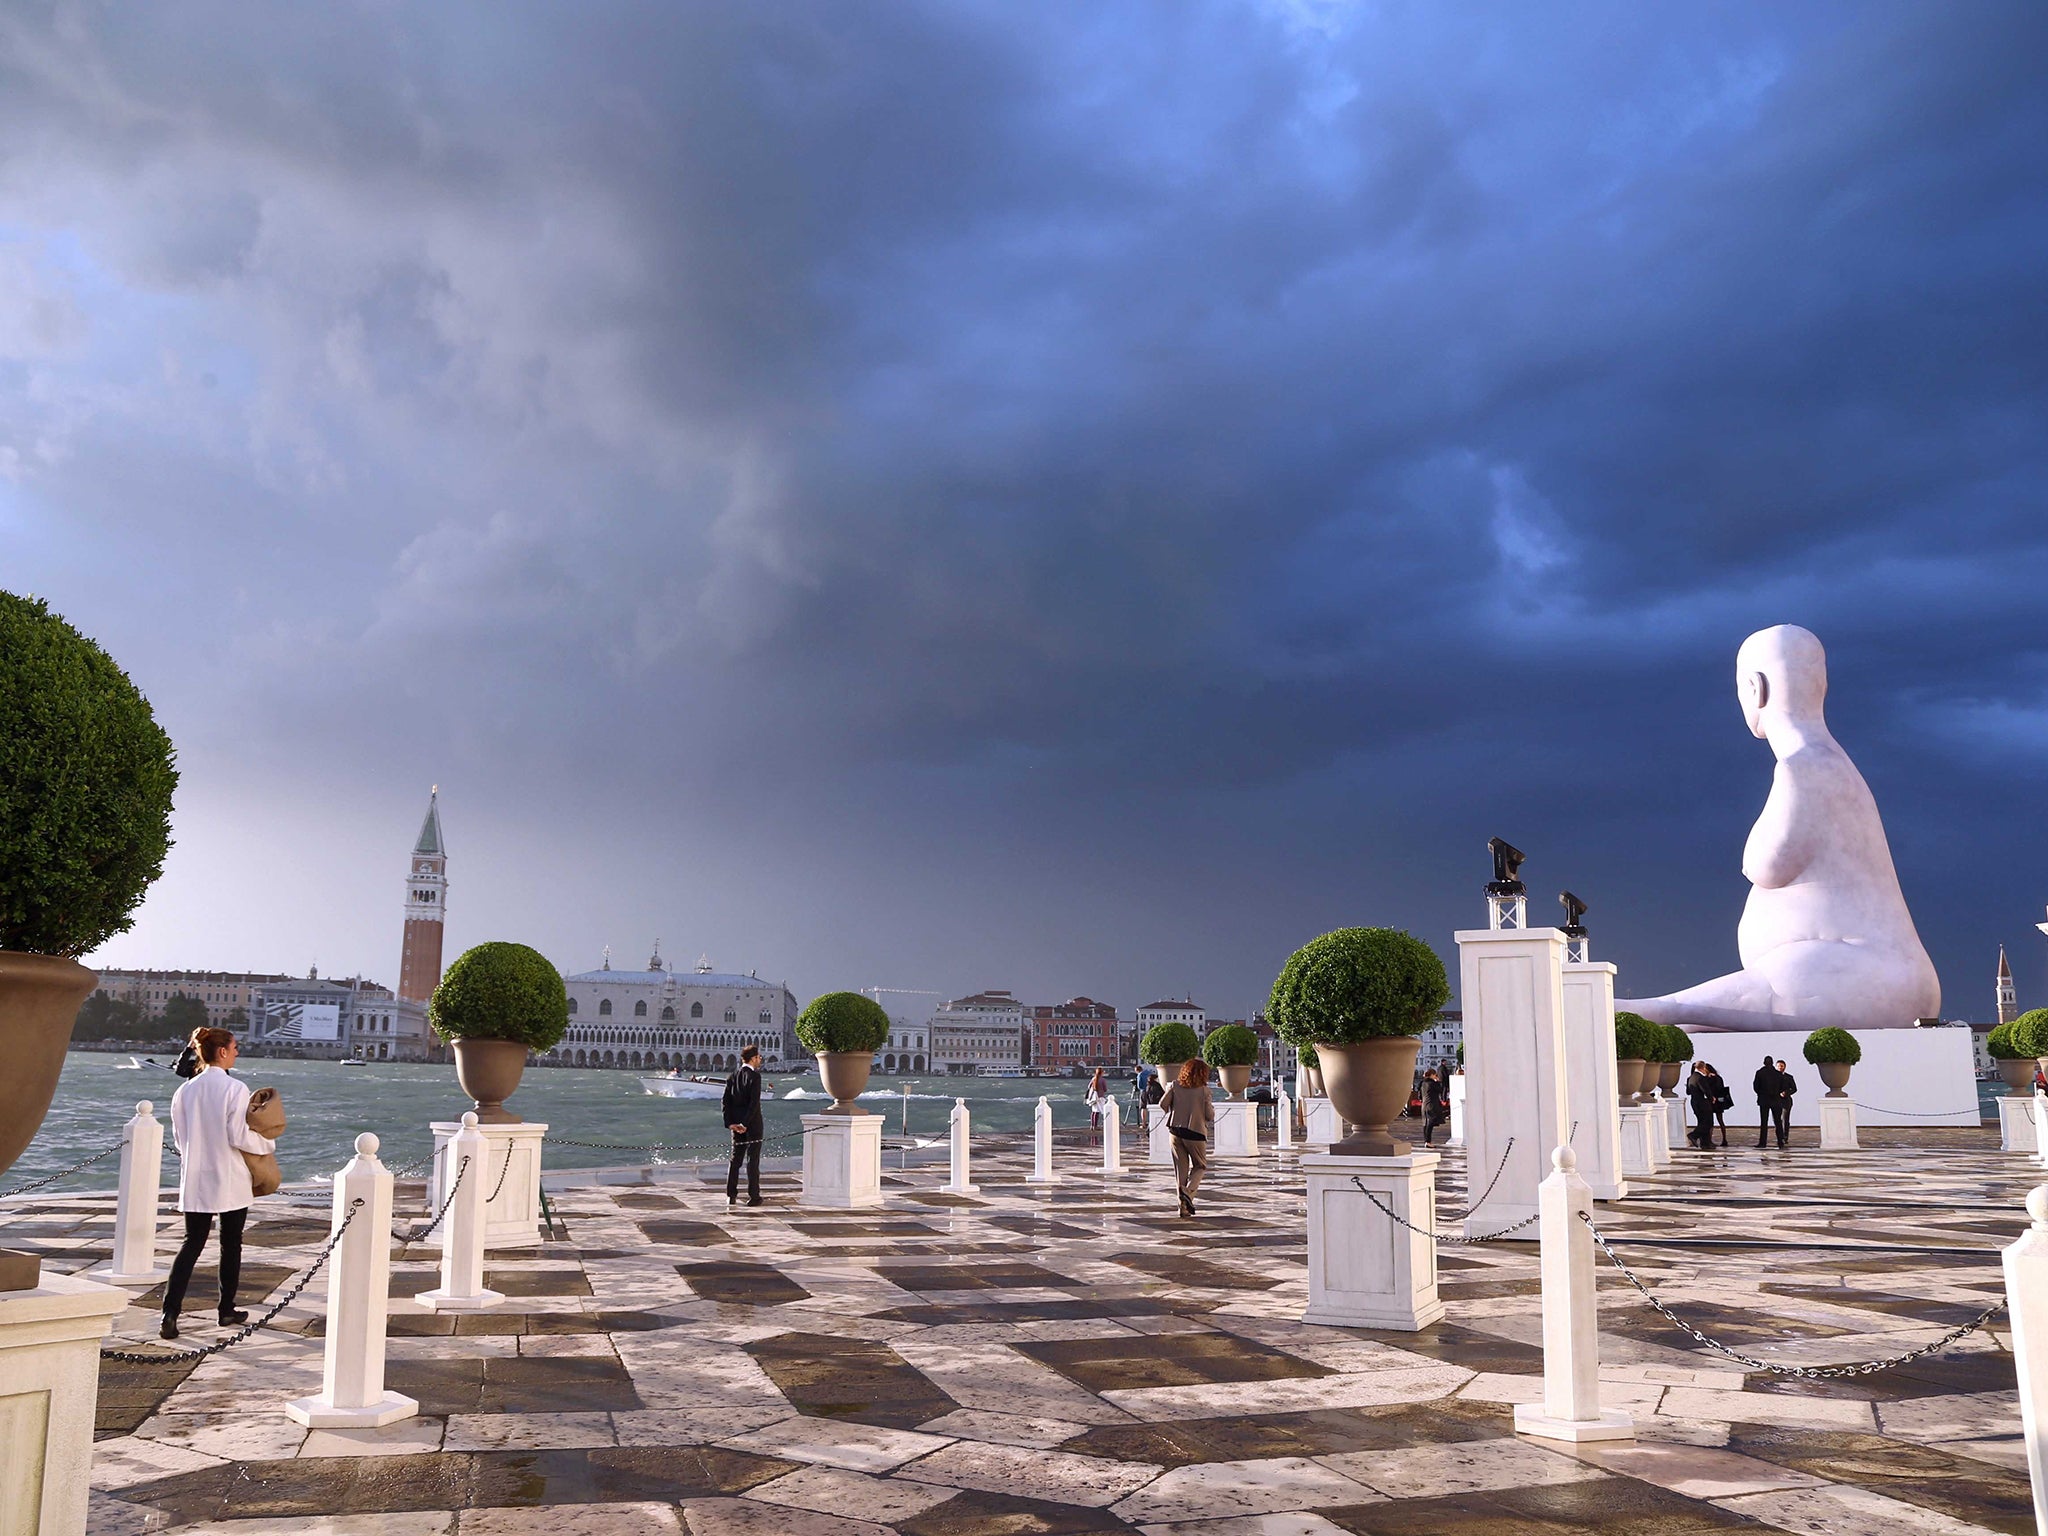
column 1838, row 1125
column 1570, row 1409
column 512, row 1158
column 1283, row 1119
column 1236, row 1129
column 842, row 1161
column 1674, row 1121
column 2026, row 1298
column 1512, row 984
column 352, row 1394
column 2016, row 1124
column 1656, row 1131
column 1324, row 1127
column 1112, row 1145
column 2041, row 1128
column 462, row 1228
column 1592, row 1098
column 1041, row 1145
column 49, row 1387
column 1365, row 1269
column 1457, row 1110
column 1636, row 1140
column 960, row 1183
column 1158, row 1139
column 142, row 1163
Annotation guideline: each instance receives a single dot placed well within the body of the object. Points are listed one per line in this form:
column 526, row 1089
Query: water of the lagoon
column 327, row 1104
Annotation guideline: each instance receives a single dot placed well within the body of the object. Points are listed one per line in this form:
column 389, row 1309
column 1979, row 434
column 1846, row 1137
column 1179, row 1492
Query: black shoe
column 1187, row 1206
column 169, row 1329
column 233, row 1319
column 757, row 1200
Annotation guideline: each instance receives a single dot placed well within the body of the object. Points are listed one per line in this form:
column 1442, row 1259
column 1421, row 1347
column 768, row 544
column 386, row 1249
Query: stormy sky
column 1075, row 497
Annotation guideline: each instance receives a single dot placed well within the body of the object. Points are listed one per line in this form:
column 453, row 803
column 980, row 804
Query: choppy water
column 328, row 1104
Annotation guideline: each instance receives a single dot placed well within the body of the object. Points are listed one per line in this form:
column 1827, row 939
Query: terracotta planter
column 1836, row 1075
column 489, row 1071
column 1235, row 1079
column 845, row 1075
column 1628, row 1078
column 1667, row 1077
column 1369, row 1084
column 39, row 1000
column 2018, row 1073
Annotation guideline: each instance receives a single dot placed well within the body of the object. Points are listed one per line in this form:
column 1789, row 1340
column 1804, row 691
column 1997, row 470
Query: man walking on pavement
column 743, row 1119
column 1781, row 1111
column 1766, row 1085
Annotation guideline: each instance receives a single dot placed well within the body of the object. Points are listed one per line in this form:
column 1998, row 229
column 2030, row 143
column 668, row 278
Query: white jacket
column 210, row 1127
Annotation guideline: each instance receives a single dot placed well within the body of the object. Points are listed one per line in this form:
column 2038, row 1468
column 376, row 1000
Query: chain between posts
column 1914, row 1114
column 61, row 1173
column 162, row 1356
column 681, row 1146
column 461, row 1172
column 1805, row 1372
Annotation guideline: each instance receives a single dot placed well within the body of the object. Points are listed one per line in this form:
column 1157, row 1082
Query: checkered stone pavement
column 1080, row 1358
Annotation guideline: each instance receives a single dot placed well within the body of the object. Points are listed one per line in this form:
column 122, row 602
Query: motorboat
column 677, row 1085
column 353, row 1061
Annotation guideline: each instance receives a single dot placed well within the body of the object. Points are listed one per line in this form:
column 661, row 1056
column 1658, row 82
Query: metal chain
column 61, row 1173
column 1913, row 1114
column 159, row 1357
column 662, row 1146
column 461, row 1171
column 1805, row 1372
column 1503, row 1168
column 507, row 1168
column 1442, row 1237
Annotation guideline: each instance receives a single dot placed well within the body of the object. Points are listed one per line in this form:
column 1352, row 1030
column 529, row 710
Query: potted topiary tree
column 86, row 777
column 2030, row 1036
column 1636, row 1044
column 497, row 1002
column 1311, row 1083
column 1360, row 996
column 1834, row 1051
column 1671, row 1061
column 1166, row 1048
column 1232, row 1049
column 2014, row 1065
column 843, row 1029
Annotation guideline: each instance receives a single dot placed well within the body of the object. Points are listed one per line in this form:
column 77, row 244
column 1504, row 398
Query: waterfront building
column 908, row 1047
column 426, row 904
column 387, row 1027
column 221, row 991
column 656, row 1019
column 304, row 1016
column 978, row 1033
column 1170, row 1011
column 1077, row 1035
column 1442, row 1041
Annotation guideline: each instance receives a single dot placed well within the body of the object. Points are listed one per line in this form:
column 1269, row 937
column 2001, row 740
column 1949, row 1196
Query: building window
column 765, row 1017
column 572, row 1007
column 696, row 1010
column 668, row 1012
column 731, row 1017
column 640, row 1010
column 604, row 1009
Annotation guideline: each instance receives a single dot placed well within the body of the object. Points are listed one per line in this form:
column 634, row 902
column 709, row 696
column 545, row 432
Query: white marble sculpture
column 1826, row 937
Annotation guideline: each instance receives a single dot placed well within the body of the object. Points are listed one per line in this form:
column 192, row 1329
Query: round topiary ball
column 1306, row 1056
column 842, row 1021
column 1832, row 1045
column 1635, row 1038
column 1169, row 1042
column 1677, row 1043
column 1998, row 1045
column 501, row 991
column 86, row 777
column 1358, row 984
column 1231, row 1045
column 2030, row 1033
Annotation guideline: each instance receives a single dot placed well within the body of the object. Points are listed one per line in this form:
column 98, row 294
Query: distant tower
column 426, row 904
column 2008, row 1000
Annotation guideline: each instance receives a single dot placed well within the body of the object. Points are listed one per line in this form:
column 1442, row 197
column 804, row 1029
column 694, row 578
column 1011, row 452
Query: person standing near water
column 210, row 1128
column 743, row 1119
column 1190, row 1119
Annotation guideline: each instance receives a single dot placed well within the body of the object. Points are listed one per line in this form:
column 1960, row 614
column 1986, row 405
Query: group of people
column 1711, row 1099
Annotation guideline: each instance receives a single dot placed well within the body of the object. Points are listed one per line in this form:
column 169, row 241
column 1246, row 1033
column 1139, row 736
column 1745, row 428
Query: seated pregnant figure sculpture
column 1826, row 937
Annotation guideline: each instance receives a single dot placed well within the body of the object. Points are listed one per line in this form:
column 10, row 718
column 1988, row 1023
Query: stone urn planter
column 39, row 1001
column 1235, row 1080
column 1368, row 1085
column 2018, row 1073
column 489, row 1072
column 1836, row 1075
column 1312, row 1082
column 1628, row 1078
column 1169, row 1072
column 1667, row 1077
column 845, row 1076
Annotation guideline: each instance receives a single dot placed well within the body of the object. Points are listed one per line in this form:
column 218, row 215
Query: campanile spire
column 426, row 901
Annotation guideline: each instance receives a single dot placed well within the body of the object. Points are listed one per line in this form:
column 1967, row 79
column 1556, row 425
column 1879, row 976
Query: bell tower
column 2008, row 999
column 426, row 903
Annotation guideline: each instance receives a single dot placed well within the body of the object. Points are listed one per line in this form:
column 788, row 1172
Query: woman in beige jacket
column 1190, row 1121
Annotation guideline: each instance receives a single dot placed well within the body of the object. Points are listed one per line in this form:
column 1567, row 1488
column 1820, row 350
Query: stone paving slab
column 1080, row 1359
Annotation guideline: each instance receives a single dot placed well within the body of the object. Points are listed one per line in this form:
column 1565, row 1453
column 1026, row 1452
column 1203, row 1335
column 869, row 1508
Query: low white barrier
column 352, row 1394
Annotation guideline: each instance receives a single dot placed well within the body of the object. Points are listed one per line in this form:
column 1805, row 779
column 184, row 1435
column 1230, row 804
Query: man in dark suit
column 1766, row 1085
column 743, row 1119
column 1781, row 1112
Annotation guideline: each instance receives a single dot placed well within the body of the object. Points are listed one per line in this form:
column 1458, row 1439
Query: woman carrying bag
column 210, row 1127
column 1190, row 1118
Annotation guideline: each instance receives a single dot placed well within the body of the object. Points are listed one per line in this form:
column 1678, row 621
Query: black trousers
column 198, row 1225
column 1781, row 1118
column 746, row 1149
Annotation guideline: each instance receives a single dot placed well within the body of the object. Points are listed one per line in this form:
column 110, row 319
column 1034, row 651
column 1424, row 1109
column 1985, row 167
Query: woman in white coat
column 210, row 1126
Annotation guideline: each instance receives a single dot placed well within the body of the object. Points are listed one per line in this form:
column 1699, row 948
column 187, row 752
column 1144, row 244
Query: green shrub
column 2000, row 1047
column 1635, row 1037
column 1831, row 1044
column 1358, row 984
column 500, row 991
column 842, row 1021
column 86, row 776
column 1307, row 1057
column 1233, row 1045
column 2030, row 1033
column 1170, row 1042
column 1677, row 1044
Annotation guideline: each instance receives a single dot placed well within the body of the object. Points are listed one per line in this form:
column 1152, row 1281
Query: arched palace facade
column 656, row 1019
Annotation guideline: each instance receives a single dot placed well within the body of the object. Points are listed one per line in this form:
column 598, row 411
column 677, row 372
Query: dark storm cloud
column 1224, row 460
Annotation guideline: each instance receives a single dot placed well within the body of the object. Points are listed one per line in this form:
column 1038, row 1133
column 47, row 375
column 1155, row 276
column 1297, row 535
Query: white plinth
column 142, row 1157
column 1674, row 1122
column 1636, row 1120
column 1838, row 1125
column 1158, row 1140
column 462, row 1287
column 843, row 1161
column 1570, row 1408
column 1512, row 986
column 512, row 1213
column 1591, row 1102
column 1324, row 1127
column 1237, row 1129
column 1612, row 1424
column 1930, row 1073
column 1656, row 1132
column 2016, row 1124
column 352, row 1393
column 49, row 1386
column 2025, row 1263
column 1364, row 1269
column 1457, row 1110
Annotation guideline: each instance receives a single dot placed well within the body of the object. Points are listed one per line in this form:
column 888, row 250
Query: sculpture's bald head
column 1781, row 671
